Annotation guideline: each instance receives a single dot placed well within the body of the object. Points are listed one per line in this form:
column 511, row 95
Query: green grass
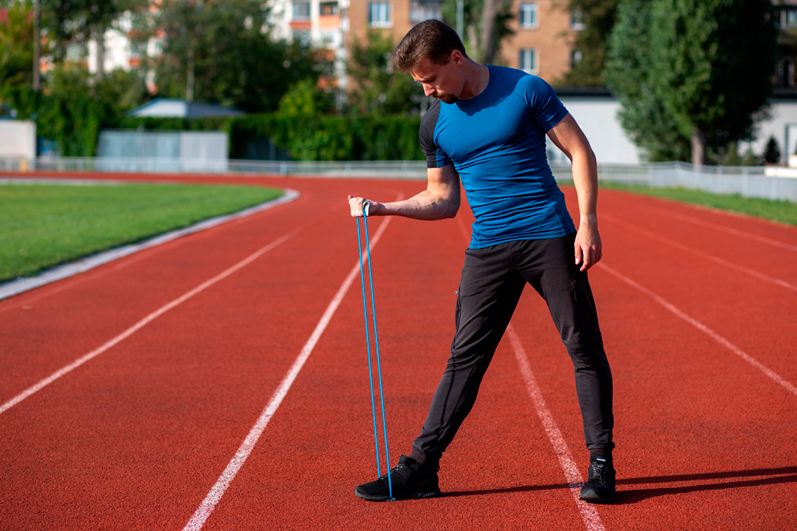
column 43, row 225
column 780, row 211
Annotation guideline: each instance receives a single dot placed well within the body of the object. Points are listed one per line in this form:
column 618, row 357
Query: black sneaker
column 600, row 486
column 409, row 479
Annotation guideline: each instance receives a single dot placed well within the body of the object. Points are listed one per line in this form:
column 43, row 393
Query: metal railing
column 749, row 181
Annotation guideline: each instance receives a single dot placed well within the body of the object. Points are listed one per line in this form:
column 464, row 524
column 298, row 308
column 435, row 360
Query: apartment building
column 786, row 18
column 541, row 44
column 543, row 41
column 321, row 23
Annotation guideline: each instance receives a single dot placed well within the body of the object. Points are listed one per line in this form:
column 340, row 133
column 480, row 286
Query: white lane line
column 703, row 328
column 701, row 254
column 728, row 230
column 590, row 516
column 214, row 496
column 142, row 323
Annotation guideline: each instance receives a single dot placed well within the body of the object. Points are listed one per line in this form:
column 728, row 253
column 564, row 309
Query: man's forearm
column 585, row 179
column 426, row 205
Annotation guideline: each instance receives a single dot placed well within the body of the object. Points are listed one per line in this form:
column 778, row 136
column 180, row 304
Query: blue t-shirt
column 496, row 142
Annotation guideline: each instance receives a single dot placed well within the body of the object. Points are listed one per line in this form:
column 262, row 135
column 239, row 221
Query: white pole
column 461, row 18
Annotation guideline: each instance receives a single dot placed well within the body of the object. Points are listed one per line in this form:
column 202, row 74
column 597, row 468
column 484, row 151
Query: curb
column 21, row 285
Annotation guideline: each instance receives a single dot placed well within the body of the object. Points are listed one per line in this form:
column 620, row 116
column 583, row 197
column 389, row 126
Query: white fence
column 748, row 181
column 162, row 151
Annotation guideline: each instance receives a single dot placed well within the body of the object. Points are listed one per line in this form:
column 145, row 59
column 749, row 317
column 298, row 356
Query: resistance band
column 376, row 344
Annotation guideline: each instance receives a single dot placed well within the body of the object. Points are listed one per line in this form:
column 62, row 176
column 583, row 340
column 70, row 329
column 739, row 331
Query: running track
column 244, row 340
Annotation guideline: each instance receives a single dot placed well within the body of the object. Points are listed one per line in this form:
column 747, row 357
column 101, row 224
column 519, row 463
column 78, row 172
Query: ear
column 456, row 58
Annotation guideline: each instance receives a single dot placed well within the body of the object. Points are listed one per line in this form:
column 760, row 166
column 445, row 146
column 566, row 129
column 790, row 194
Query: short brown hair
column 431, row 40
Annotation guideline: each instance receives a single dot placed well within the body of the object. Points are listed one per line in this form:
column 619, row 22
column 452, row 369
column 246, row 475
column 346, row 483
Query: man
column 488, row 129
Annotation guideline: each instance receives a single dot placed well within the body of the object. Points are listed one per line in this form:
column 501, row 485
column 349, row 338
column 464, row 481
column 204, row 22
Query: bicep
column 444, row 188
column 443, row 182
column 569, row 137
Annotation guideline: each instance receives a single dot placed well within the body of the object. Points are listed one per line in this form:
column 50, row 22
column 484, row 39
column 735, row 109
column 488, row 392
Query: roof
column 176, row 108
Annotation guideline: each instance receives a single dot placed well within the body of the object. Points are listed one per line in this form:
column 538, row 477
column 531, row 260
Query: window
column 302, row 36
column 379, row 14
column 420, row 11
column 577, row 19
column 528, row 15
column 528, row 60
column 329, row 39
column 328, row 8
column 788, row 17
column 301, row 11
column 575, row 58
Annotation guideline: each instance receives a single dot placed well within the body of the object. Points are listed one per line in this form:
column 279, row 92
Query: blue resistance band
column 368, row 347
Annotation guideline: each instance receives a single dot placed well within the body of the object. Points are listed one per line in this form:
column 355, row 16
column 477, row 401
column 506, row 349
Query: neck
column 476, row 79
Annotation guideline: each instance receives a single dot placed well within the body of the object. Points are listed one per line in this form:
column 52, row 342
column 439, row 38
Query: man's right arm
column 440, row 200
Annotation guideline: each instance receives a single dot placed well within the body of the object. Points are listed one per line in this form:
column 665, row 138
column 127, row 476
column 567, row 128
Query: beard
column 445, row 97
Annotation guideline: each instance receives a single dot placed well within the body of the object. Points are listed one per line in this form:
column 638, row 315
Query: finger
column 355, row 205
column 587, row 263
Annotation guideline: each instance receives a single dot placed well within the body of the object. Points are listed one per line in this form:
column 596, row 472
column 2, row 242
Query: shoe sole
column 405, row 496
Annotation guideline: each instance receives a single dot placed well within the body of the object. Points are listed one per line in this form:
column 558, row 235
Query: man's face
column 440, row 81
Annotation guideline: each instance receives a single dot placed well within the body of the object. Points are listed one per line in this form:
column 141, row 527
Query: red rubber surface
column 136, row 437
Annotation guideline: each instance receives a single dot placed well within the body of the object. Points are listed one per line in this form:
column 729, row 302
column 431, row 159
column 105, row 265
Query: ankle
column 426, row 461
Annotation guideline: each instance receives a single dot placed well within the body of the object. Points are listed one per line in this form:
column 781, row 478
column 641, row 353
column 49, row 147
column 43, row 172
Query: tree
column 486, row 25
column 375, row 86
column 222, row 51
column 690, row 69
column 772, row 152
column 628, row 74
column 598, row 18
column 78, row 21
column 16, row 48
column 306, row 99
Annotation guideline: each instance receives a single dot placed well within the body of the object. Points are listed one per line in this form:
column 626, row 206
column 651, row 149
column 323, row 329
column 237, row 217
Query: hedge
column 322, row 138
column 74, row 123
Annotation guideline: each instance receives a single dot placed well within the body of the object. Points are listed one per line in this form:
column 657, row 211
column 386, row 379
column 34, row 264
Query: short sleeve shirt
column 496, row 142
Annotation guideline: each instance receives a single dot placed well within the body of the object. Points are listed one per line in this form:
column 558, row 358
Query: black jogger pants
column 492, row 282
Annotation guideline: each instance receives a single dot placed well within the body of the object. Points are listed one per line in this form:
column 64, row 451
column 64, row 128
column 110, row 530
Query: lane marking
column 590, row 516
column 145, row 321
column 705, row 329
column 701, row 254
column 214, row 496
column 722, row 228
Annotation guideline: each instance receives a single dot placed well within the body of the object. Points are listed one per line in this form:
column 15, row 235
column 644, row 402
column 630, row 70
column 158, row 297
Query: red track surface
column 690, row 301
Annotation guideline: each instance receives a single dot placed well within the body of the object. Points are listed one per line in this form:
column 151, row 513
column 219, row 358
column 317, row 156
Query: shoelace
column 598, row 470
column 392, row 471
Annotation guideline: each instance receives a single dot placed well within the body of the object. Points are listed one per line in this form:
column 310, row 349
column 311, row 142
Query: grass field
column 780, row 211
column 43, row 225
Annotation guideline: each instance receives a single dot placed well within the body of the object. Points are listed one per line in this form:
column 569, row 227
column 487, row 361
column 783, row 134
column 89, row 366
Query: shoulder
column 429, row 120
column 430, row 116
column 429, row 125
column 533, row 84
column 523, row 84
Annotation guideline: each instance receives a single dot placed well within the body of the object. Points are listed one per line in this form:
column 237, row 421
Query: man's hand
column 356, row 205
column 588, row 247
